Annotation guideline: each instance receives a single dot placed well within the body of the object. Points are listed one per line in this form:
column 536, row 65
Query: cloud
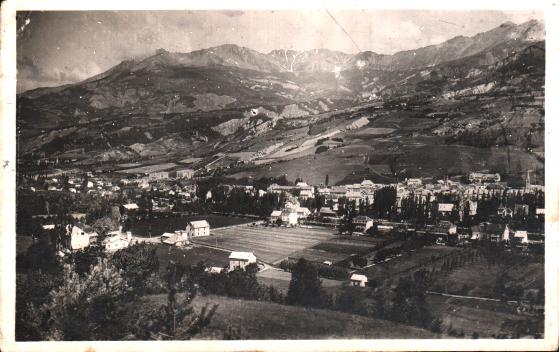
column 31, row 74
column 410, row 29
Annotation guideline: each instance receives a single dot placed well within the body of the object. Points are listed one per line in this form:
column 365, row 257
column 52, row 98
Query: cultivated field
column 269, row 244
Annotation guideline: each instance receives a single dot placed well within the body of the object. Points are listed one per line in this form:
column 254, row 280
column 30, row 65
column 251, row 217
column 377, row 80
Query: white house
column 358, row 280
column 131, row 207
column 241, row 260
column 185, row 173
column 446, row 208
column 117, row 241
column 198, row 228
column 80, row 239
column 178, row 238
column 159, row 175
column 289, row 218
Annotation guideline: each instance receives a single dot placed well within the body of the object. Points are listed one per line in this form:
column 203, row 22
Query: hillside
column 272, row 321
column 482, row 95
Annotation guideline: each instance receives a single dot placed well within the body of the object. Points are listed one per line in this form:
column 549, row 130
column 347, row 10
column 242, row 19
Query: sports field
column 269, row 244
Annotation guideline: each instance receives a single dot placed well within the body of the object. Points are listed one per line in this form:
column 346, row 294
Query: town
column 364, row 235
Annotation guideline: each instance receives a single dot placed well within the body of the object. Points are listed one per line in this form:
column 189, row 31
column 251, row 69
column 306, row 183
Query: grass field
column 338, row 249
column 169, row 224
column 265, row 320
column 269, row 244
column 280, row 279
column 480, row 277
column 191, row 256
column 409, row 261
column 469, row 316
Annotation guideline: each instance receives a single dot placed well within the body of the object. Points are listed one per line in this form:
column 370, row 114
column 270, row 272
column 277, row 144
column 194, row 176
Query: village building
column 117, row 241
column 328, row 214
column 443, row 228
column 159, row 175
column 289, row 217
column 241, row 260
column 490, row 232
column 79, row 238
column 481, row 177
column 504, row 211
column 275, row 216
column 306, row 194
column 302, row 212
column 358, row 280
column 178, row 238
column 414, row 182
column 445, row 209
column 198, row 228
column 185, row 173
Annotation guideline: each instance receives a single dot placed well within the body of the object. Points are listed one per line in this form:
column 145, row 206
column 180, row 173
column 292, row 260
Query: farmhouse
column 358, row 280
column 362, row 223
column 185, row 173
column 241, row 260
column 198, row 228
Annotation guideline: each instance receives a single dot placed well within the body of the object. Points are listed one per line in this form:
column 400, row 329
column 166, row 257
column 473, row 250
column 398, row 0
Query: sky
column 60, row 47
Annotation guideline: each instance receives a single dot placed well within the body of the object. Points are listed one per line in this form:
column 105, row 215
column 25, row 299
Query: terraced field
column 269, row 244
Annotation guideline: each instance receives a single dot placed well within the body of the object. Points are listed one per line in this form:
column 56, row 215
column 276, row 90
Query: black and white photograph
column 244, row 174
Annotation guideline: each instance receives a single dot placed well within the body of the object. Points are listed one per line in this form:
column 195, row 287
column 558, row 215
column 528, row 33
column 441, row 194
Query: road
column 468, row 297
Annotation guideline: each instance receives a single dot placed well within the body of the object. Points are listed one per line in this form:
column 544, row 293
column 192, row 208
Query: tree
column 359, row 260
column 327, row 180
column 305, row 288
column 138, row 262
column 87, row 308
column 176, row 319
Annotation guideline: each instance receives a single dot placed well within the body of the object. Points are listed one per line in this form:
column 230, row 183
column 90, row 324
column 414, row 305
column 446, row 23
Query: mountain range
column 229, row 99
